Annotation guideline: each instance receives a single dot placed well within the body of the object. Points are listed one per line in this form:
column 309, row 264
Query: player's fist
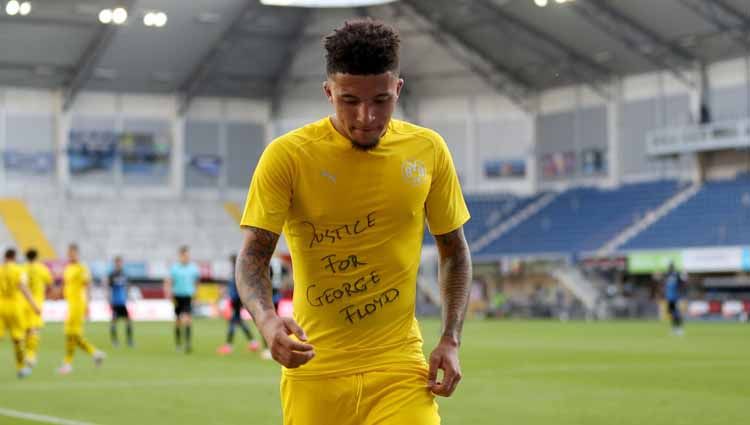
column 284, row 349
column 444, row 357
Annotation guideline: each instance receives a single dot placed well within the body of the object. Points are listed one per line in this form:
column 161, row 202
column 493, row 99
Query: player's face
column 73, row 254
column 185, row 257
column 363, row 105
column 118, row 264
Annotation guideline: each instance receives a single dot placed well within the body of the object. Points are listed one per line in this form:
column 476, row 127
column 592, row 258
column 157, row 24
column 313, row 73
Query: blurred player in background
column 181, row 284
column 12, row 287
column 118, row 300
column 76, row 279
column 236, row 318
column 39, row 278
column 673, row 284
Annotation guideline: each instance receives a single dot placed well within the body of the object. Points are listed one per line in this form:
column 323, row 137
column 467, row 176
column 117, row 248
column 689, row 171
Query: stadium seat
column 718, row 215
column 140, row 230
column 488, row 211
column 582, row 219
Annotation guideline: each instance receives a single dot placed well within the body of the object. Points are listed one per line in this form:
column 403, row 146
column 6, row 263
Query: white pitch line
column 39, row 418
column 96, row 385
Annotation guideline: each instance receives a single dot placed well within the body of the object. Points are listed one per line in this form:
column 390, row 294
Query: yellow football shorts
column 75, row 319
column 12, row 320
column 373, row 398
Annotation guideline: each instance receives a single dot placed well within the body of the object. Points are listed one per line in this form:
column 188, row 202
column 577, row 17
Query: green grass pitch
column 515, row 372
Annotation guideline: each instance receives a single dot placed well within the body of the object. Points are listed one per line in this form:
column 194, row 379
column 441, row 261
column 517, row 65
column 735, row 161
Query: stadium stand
column 5, row 236
column 23, row 228
column 582, row 219
column 722, row 208
column 140, row 229
column 718, row 215
column 488, row 211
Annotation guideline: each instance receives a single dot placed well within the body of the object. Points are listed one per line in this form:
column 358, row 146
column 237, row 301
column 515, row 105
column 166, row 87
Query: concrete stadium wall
column 478, row 125
column 34, row 119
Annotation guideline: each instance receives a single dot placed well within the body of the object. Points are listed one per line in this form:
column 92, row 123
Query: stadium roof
column 241, row 48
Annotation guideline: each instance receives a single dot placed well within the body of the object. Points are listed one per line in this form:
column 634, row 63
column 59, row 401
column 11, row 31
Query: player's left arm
column 24, row 287
column 30, row 299
column 455, row 278
column 48, row 280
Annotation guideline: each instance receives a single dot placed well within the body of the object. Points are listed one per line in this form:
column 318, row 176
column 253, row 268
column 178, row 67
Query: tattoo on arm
column 252, row 272
column 455, row 278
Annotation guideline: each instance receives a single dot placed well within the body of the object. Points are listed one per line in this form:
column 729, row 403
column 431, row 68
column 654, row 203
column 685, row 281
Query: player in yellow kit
column 12, row 289
column 39, row 278
column 76, row 279
column 351, row 193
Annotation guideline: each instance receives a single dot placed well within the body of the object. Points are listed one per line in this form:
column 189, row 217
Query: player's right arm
column 255, row 290
column 168, row 286
column 266, row 210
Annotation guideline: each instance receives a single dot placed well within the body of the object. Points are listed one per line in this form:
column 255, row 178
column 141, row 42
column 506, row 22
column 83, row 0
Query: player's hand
column 285, row 350
column 444, row 357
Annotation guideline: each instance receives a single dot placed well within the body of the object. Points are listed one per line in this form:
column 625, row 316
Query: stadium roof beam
column 724, row 17
column 643, row 41
column 503, row 80
column 292, row 49
column 192, row 85
column 551, row 49
column 85, row 65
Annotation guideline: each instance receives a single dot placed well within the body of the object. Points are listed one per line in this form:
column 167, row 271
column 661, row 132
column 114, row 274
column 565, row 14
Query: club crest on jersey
column 414, row 171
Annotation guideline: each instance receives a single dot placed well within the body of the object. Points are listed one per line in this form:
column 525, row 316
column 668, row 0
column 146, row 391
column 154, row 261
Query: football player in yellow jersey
column 12, row 287
column 76, row 279
column 39, row 278
column 351, row 194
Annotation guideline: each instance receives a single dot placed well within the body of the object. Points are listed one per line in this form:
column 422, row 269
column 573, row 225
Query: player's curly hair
column 362, row 47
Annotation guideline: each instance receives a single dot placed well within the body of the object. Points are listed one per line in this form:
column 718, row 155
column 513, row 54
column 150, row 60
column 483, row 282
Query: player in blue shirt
column 672, row 292
column 181, row 285
column 236, row 319
column 118, row 300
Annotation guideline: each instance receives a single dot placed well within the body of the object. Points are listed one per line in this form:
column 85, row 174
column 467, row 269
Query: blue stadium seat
column 487, row 211
column 718, row 215
column 582, row 219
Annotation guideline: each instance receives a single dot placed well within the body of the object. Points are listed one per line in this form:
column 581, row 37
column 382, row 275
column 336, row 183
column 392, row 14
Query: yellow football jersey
column 39, row 277
column 354, row 223
column 75, row 279
column 11, row 300
column 11, row 278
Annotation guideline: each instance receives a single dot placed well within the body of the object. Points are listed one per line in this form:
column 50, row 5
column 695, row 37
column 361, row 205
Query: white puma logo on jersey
column 328, row 175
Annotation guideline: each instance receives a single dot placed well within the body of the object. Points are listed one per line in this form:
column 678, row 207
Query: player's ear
column 327, row 89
